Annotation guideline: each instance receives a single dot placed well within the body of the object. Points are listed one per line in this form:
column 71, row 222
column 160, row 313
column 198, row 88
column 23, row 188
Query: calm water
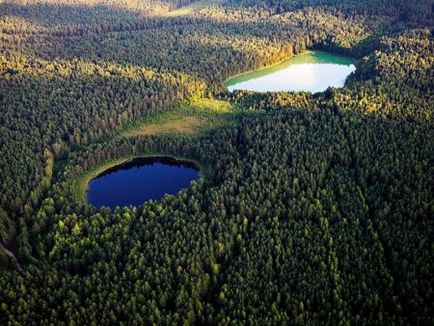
column 311, row 71
column 141, row 179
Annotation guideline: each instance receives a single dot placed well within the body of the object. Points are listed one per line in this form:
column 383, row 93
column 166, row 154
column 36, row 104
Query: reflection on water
column 141, row 179
column 312, row 71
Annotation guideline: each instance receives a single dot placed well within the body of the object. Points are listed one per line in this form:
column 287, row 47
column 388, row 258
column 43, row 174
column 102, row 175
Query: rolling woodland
column 315, row 208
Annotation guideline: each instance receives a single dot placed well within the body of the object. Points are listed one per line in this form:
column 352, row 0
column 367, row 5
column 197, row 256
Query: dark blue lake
column 141, row 179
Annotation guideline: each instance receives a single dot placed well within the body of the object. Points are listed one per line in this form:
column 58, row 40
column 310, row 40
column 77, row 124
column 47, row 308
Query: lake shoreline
column 308, row 71
column 267, row 66
column 81, row 186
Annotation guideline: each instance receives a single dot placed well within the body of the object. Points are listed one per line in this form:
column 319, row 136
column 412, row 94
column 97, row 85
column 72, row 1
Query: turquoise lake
column 312, row 71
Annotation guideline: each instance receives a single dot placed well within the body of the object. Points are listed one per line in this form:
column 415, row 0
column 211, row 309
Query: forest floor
column 12, row 256
column 199, row 116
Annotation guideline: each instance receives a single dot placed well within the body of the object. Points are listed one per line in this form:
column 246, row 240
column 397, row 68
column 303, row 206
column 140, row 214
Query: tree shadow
column 67, row 15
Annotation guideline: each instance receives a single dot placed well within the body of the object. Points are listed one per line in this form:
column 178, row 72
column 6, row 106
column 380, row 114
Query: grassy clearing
column 186, row 125
column 195, row 118
column 192, row 8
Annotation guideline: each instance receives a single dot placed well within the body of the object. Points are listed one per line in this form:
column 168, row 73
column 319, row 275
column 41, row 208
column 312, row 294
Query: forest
column 315, row 208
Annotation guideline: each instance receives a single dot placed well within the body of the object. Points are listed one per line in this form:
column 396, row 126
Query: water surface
column 313, row 71
column 141, row 179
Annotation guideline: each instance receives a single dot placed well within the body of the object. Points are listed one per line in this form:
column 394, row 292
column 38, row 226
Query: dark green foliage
column 7, row 229
column 316, row 208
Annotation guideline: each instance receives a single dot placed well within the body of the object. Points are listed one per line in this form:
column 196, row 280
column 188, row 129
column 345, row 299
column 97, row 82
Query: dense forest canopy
column 317, row 208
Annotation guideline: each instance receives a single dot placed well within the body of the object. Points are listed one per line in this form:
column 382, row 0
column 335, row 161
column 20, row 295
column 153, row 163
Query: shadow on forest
column 196, row 46
column 55, row 15
column 117, row 35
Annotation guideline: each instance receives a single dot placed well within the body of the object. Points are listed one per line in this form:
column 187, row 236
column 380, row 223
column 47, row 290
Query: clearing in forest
column 200, row 115
column 193, row 8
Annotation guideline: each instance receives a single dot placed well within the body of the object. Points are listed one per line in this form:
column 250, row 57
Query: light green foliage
column 198, row 116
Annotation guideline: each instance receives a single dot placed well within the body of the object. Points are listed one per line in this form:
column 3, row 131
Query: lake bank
column 312, row 71
column 140, row 179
